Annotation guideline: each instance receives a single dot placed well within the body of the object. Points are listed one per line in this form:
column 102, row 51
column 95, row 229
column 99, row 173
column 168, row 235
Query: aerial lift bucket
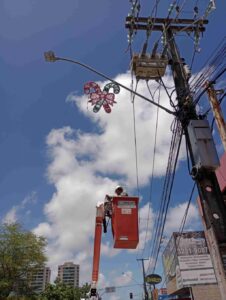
column 125, row 222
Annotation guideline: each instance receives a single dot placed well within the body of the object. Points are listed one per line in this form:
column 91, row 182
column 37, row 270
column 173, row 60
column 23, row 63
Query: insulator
column 164, row 52
column 154, row 50
column 144, row 50
column 196, row 9
column 187, row 71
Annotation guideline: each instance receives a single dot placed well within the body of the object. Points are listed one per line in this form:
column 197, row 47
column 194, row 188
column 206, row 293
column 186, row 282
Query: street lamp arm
column 50, row 57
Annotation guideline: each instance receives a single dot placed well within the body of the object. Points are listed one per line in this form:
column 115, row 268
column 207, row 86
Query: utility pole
column 212, row 95
column 197, row 134
column 144, row 278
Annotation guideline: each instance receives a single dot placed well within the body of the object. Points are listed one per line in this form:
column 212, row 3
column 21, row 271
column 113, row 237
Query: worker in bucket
column 119, row 191
column 108, row 200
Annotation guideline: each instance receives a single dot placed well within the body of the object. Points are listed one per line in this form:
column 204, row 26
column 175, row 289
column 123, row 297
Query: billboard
column 169, row 259
column 191, row 263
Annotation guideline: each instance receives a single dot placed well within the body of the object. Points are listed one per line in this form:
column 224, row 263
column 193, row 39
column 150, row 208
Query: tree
column 61, row 291
column 21, row 255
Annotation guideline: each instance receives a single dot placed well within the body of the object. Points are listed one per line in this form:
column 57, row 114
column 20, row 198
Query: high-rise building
column 41, row 279
column 68, row 273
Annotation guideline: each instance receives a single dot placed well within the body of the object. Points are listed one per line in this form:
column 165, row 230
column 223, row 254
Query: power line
column 181, row 229
column 153, row 165
column 168, row 197
column 166, row 192
column 135, row 141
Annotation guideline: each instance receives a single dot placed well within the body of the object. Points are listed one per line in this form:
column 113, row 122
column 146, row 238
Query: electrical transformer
column 202, row 144
column 147, row 67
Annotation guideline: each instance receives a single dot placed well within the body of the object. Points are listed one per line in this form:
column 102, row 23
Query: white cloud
column 175, row 216
column 11, row 216
column 44, row 229
column 114, row 147
column 108, row 250
column 29, row 199
column 146, row 223
column 124, row 278
column 17, row 211
column 114, row 297
column 103, row 282
column 83, row 167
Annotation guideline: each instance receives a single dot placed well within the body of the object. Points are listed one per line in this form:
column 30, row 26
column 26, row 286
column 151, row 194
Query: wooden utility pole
column 144, row 278
column 197, row 134
column 212, row 95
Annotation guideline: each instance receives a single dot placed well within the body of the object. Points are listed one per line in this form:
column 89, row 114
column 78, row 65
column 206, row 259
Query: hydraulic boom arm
column 100, row 214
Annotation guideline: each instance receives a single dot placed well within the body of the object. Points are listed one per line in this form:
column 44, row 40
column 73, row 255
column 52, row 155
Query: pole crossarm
column 166, row 20
column 50, row 57
column 158, row 24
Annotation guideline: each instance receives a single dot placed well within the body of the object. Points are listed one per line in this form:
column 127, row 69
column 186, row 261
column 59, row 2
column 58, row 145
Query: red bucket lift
column 124, row 222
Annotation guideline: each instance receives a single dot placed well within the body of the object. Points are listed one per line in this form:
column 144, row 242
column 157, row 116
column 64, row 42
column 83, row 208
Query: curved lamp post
column 51, row 57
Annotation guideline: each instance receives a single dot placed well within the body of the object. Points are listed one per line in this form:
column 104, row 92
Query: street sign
column 153, row 279
column 110, row 289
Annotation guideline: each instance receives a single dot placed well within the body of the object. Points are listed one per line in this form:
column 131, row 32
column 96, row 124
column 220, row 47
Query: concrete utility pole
column 144, row 278
column 212, row 95
column 198, row 137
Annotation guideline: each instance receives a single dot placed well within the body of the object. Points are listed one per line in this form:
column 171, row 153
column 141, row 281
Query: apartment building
column 41, row 279
column 68, row 273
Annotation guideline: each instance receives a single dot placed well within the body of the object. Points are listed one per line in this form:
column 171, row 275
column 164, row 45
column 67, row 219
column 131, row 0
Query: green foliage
column 60, row 291
column 21, row 254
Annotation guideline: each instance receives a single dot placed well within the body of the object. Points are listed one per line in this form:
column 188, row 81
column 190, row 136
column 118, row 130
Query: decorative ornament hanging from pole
column 100, row 98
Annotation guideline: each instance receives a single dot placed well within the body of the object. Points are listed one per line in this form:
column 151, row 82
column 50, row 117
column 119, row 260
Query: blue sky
column 58, row 158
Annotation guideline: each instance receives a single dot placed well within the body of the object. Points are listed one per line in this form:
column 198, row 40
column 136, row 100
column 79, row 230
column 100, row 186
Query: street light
column 51, row 57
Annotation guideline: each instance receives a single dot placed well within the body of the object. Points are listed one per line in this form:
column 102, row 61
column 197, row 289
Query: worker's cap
column 118, row 189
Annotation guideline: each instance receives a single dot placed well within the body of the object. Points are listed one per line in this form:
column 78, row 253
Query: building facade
column 41, row 279
column 68, row 273
column 188, row 267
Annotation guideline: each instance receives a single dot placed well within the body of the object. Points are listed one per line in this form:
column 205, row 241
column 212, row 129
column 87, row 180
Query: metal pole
column 212, row 95
column 50, row 57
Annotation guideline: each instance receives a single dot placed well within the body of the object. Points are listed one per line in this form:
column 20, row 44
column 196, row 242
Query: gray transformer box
column 202, row 144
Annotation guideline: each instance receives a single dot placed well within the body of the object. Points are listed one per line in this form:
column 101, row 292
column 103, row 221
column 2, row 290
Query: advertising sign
column 190, row 243
column 198, row 277
column 187, row 261
column 194, row 262
column 169, row 259
column 153, row 279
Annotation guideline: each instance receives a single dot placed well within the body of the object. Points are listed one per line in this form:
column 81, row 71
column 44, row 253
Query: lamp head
column 50, row 56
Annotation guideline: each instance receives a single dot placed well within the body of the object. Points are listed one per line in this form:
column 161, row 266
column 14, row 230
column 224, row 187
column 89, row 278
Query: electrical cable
column 181, row 229
column 166, row 193
column 168, row 201
column 219, row 101
column 188, row 158
column 207, row 86
column 153, row 165
column 135, row 141
column 158, row 220
column 169, row 96
column 215, row 63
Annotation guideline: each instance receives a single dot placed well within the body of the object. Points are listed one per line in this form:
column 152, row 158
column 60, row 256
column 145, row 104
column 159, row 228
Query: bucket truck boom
column 123, row 212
